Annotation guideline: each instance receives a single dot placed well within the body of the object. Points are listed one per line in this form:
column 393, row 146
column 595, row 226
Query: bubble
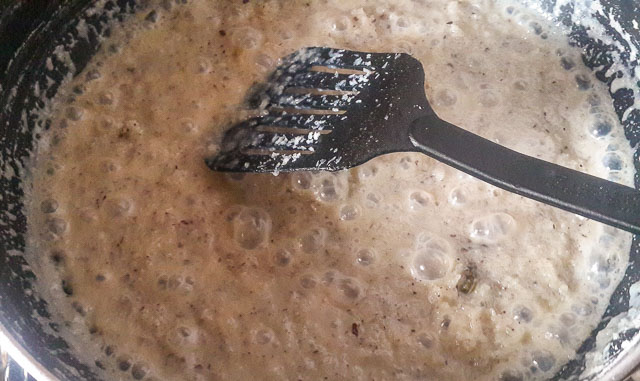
column 203, row 66
column 567, row 63
column 520, row 85
column 109, row 166
column 124, row 363
column 600, row 128
column 57, row 138
column 431, row 260
column 612, row 147
column 594, row 102
column 367, row 172
column 188, row 125
column 301, row 180
column 612, row 161
column 180, row 283
column 74, row 113
column 522, row 314
column 57, row 257
column 341, row 24
column 583, row 82
column 468, row 280
column 265, row 61
column 139, row 370
column 233, row 212
column 543, row 360
column 488, row 99
column 428, row 241
column 446, row 321
column 404, row 47
column 93, row 74
column 182, row 336
column 167, row 5
column 313, row 240
column 522, row 18
column 606, row 239
column 568, row 319
column 615, row 177
column 130, row 129
column 328, row 277
column 79, row 308
column 492, row 228
column 419, row 200
column 401, row 22
column 373, row 199
column 105, row 98
column 535, row 27
column 67, row 287
column 114, row 48
column 109, row 350
column 49, row 206
column 406, row 162
column 446, row 98
column 600, row 267
column 163, row 281
column 308, row 281
column 286, row 34
column 264, row 336
column 151, row 17
column 349, row 288
column 186, row 333
column 56, row 226
column 79, row 89
column 251, row 228
column 328, row 187
column 119, row 207
column 365, row 257
column 349, row 212
column 106, row 123
column 582, row 309
column 457, row 197
column 125, row 305
column 282, row 257
column 88, row 214
column 425, row 340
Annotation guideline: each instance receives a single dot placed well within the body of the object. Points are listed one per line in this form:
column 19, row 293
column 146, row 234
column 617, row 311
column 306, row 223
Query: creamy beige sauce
column 402, row 268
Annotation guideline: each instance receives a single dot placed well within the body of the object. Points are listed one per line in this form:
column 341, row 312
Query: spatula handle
column 592, row 197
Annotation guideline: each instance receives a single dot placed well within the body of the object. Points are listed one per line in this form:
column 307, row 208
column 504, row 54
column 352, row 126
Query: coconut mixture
column 400, row 269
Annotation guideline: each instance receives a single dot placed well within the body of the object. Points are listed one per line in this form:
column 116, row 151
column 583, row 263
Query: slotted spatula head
column 327, row 109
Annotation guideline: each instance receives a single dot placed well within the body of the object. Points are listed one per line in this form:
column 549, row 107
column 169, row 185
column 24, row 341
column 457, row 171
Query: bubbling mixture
column 400, row 269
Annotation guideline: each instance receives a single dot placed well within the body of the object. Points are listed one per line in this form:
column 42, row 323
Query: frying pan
column 606, row 30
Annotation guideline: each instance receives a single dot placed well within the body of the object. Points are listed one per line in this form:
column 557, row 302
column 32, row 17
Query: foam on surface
column 402, row 268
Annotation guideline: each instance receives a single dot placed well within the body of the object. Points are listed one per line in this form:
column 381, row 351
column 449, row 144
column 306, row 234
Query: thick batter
column 400, row 269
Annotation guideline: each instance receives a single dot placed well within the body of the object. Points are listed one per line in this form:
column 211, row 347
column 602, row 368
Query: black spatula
column 330, row 109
